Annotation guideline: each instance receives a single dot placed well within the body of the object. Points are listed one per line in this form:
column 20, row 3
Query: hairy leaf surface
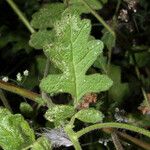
column 15, row 132
column 49, row 13
column 94, row 4
column 42, row 143
column 59, row 113
column 89, row 115
column 73, row 53
column 41, row 38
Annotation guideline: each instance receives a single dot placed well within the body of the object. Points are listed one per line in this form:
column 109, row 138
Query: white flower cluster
column 19, row 76
column 5, row 79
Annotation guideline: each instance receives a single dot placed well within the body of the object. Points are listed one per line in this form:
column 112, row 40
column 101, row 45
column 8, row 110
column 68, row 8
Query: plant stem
column 5, row 101
column 134, row 140
column 73, row 137
column 99, row 18
column 128, row 137
column 20, row 91
column 117, row 7
column 21, row 15
column 113, row 125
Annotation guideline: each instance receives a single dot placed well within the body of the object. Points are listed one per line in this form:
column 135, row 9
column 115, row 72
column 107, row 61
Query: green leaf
column 108, row 39
column 101, row 63
column 18, row 41
column 26, row 109
column 42, row 143
column 94, row 4
column 73, row 53
column 15, row 132
column 59, row 113
column 89, row 115
column 41, row 38
column 119, row 90
column 47, row 15
column 142, row 59
column 50, row 13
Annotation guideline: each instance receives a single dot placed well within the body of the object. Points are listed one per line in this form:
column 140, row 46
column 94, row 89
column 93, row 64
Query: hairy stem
column 99, row 18
column 5, row 101
column 21, row 15
column 73, row 137
column 113, row 125
column 20, row 91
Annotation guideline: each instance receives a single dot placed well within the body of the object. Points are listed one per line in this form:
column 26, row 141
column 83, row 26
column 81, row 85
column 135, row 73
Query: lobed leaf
column 73, row 53
column 15, row 132
column 50, row 13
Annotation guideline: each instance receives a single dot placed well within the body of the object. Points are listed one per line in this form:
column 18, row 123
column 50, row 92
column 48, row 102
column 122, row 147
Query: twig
column 134, row 140
column 117, row 7
column 116, row 141
column 21, row 15
column 5, row 101
column 128, row 137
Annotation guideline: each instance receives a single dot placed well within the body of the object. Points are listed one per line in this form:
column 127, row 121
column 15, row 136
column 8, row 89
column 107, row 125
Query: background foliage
column 125, row 59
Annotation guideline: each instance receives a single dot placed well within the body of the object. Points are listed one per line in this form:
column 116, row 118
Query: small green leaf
column 101, row 63
column 89, row 115
column 26, row 109
column 142, row 59
column 42, row 143
column 15, row 132
column 108, row 39
column 59, row 113
column 73, row 53
column 123, row 88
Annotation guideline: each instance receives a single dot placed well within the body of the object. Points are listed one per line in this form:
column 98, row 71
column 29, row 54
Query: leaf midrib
column 74, row 70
